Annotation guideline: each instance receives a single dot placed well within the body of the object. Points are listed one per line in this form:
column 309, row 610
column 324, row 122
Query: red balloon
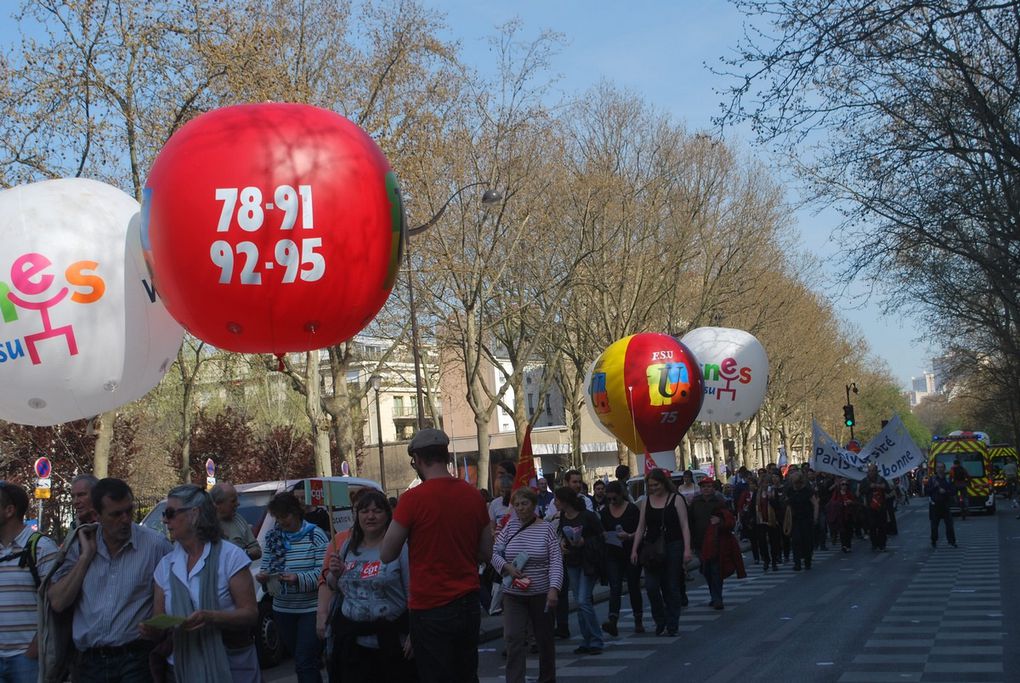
column 272, row 228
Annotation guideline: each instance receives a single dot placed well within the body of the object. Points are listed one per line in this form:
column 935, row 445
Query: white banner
column 893, row 451
column 828, row 456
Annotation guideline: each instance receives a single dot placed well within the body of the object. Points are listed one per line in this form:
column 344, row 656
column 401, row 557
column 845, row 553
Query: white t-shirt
column 232, row 560
column 499, row 513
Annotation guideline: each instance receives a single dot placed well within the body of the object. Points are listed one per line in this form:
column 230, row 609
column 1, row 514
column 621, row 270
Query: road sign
column 210, row 468
column 43, row 467
column 42, row 487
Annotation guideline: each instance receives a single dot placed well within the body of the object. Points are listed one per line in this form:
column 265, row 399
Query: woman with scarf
column 370, row 633
column 290, row 570
column 205, row 581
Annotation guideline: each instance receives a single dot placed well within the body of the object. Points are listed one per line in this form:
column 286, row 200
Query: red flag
column 526, row 474
column 649, row 463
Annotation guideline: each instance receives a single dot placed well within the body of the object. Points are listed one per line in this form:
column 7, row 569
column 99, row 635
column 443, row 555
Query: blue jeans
column 129, row 666
column 445, row 641
column 620, row 569
column 19, row 669
column 712, row 572
column 663, row 587
column 297, row 631
column 582, row 586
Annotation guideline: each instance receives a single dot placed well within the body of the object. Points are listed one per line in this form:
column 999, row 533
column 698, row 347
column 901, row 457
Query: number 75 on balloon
column 246, row 208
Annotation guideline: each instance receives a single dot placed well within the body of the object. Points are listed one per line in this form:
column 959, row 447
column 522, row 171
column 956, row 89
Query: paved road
column 911, row 614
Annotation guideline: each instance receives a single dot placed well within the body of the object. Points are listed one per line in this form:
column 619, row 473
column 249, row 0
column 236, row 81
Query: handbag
column 653, row 555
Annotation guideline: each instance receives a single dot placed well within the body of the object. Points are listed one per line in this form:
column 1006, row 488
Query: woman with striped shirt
column 531, row 590
column 290, row 569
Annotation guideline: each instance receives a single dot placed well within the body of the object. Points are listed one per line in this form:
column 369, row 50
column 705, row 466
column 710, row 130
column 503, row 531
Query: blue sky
column 662, row 50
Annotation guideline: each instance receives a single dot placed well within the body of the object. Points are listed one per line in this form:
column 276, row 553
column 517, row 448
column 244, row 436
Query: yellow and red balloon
column 272, row 227
column 646, row 389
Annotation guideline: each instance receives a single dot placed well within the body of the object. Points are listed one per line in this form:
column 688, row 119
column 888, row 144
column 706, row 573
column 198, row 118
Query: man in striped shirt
column 19, row 658
column 107, row 580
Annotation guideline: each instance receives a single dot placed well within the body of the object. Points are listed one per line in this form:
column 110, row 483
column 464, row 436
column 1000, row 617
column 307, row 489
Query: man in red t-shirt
column 446, row 526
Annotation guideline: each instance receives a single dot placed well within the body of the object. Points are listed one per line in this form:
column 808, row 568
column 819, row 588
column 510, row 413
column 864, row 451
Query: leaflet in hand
column 613, row 539
column 164, row 621
column 519, row 562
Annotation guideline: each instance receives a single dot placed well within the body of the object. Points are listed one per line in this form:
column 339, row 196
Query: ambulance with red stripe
column 973, row 452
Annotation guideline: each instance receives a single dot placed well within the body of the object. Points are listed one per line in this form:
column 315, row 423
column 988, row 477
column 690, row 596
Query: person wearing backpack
column 25, row 556
column 960, row 476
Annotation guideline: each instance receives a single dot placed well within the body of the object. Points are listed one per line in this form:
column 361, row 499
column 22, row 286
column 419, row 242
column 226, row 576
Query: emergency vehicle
column 972, row 450
column 1001, row 454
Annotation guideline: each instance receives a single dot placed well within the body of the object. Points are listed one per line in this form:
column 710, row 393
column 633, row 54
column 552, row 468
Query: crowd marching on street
column 400, row 595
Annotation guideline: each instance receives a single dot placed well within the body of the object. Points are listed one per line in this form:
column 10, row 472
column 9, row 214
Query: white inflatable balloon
column 735, row 370
column 81, row 328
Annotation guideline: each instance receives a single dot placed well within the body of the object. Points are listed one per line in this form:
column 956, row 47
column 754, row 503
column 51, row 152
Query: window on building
column 531, row 404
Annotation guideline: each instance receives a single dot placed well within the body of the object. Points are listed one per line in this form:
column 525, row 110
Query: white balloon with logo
column 734, row 369
column 82, row 330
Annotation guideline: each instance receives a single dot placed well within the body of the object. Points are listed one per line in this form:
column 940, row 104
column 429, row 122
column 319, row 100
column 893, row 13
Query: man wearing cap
column 446, row 526
column 703, row 513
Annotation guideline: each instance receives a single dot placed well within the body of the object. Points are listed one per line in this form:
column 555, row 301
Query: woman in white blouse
column 206, row 582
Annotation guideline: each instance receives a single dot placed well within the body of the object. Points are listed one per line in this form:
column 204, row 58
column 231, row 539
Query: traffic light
column 848, row 416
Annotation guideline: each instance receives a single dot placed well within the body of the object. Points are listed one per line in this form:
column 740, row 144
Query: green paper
column 164, row 621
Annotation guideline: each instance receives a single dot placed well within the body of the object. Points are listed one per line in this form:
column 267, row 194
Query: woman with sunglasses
column 370, row 633
column 663, row 514
column 206, row 582
column 291, row 564
column 620, row 520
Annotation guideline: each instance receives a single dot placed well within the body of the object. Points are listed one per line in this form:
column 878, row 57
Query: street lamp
column 489, row 197
column 375, row 382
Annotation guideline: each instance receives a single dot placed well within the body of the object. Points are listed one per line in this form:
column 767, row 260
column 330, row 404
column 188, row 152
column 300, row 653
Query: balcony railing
column 400, row 412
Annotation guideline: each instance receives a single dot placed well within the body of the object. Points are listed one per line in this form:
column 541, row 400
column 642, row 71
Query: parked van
column 253, row 499
column 636, row 485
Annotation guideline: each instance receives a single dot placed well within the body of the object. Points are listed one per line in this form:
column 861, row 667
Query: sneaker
column 582, row 650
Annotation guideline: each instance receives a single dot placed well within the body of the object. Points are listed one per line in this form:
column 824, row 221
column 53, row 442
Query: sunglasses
column 170, row 513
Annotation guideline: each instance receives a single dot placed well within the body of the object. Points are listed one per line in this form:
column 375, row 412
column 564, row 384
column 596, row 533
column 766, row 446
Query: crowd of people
column 399, row 596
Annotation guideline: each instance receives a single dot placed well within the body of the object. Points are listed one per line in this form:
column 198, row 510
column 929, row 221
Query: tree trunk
column 317, row 417
column 186, row 424
column 103, row 427
column 717, row 449
column 482, row 432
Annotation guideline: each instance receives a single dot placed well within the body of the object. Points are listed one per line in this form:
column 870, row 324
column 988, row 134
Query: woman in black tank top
column 663, row 513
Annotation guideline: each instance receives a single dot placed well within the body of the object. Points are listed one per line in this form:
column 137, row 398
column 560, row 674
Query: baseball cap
column 426, row 438
column 707, row 480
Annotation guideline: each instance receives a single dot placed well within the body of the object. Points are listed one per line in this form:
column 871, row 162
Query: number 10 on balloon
column 303, row 260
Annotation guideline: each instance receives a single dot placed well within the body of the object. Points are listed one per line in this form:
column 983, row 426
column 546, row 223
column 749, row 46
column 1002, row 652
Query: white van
column 636, row 485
